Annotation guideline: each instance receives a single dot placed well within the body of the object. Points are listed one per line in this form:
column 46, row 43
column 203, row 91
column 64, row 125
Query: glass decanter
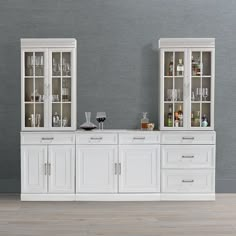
column 88, row 125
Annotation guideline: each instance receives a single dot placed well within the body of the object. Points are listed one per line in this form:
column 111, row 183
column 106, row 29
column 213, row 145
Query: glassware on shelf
column 31, row 120
column 65, row 67
column 65, row 90
column 192, row 96
column 56, row 67
column 37, row 120
column 169, row 94
column 180, row 68
column 180, row 116
column 100, row 117
column 205, row 93
column 56, row 120
column 35, row 96
column 171, row 67
column 198, row 93
column 30, row 65
column 64, row 122
column 144, row 121
column 197, row 119
column 204, row 121
column 55, row 98
column 88, row 125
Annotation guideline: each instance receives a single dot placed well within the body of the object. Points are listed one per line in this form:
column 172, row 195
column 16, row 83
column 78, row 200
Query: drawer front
column 188, row 181
column 188, row 137
column 96, row 138
column 187, row 156
column 139, row 138
column 48, row 138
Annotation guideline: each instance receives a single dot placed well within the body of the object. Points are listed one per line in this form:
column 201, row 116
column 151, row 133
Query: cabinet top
column 186, row 42
column 48, row 42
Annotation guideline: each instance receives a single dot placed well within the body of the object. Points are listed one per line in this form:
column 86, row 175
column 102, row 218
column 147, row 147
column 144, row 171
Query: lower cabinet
column 99, row 169
column 139, row 168
column 47, row 169
column 96, row 168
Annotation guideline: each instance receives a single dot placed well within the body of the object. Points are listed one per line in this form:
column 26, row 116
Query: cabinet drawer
column 96, row 138
column 188, row 137
column 188, row 181
column 47, row 138
column 139, row 138
column 188, row 156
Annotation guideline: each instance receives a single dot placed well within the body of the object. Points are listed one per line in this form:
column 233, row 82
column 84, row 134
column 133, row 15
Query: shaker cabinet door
column 61, row 168
column 33, row 168
column 95, row 168
column 139, row 169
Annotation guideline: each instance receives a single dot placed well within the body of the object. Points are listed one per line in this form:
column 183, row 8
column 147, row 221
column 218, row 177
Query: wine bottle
column 171, row 67
column 180, row 68
column 169, row 117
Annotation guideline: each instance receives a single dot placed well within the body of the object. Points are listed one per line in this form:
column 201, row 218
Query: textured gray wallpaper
column 117, row 68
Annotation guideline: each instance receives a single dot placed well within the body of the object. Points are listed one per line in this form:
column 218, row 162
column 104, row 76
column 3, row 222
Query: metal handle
column 115, row 168
column 188, row 138
column 138, row 138
column 49, row 169
column 45, row 169
column 96, row 138
column 188, row 181
column 119, row 168
column 48, row 138
column 187, row 156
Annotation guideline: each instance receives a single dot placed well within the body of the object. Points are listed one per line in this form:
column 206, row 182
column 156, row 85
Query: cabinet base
column 188, row 197
column 118, row 197
column 47, row 197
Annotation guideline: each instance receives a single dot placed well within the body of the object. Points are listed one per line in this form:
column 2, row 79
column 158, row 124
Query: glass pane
column 206, row 89
column 195, row 115
column 178, row 91
column 179, row 63
column 168, row 115
column 56, row 115
column 56, row 89
column 29, row 64
column 29, row 115
column 39, row 115
column 39, row 90
column 206, row 61
column 39, row 64
column 178, row 115
column 66, row 63
column 66, row 90
column 206, row 111
column 169, row 65
column 28, row 89
column 196, row 64
column 168, row 88
column 56, row 63
column 66, row 115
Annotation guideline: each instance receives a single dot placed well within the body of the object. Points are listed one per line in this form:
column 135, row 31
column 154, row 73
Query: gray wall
column 117, row 68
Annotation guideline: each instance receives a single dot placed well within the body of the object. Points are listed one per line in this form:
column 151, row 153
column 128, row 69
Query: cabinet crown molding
column 48, row 42
column 186, row 42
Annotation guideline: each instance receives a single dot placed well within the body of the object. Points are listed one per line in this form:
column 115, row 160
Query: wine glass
column 198, row 93
column 100, row 117
column 205, row 93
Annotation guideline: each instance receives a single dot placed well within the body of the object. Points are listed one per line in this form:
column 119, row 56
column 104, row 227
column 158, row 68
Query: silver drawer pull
column 188, row 138
column 188, row 181
column 48, row 138
column 187, row 156
column 96, row 138
column 138, row 138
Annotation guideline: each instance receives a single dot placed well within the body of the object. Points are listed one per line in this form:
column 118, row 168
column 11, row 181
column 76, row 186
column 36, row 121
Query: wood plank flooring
column 118, row 218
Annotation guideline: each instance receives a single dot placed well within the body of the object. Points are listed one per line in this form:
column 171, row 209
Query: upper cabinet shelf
column 48, row 75
column 187, row 78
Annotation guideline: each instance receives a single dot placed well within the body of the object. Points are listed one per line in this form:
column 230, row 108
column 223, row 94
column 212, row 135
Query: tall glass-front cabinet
column 48, row 75
column 187, row 78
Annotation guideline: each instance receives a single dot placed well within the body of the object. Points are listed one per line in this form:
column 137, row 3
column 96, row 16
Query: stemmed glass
column 100, row 117
column 205, row 93
column 198, row 93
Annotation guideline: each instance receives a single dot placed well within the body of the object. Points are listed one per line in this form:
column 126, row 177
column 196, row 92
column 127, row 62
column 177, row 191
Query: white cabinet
column 187, row 78
column 48, row 79
column 34, row 169
column 47, row 168
column 139, row 167
column 61, row 164
column 96, row 169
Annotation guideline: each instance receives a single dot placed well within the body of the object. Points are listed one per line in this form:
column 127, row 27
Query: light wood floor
column 118, row 218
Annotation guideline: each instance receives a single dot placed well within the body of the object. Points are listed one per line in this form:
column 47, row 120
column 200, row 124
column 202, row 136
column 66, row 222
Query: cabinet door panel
column 61, row 169
column 95, row 168
column 33, row 169
column 140, row 169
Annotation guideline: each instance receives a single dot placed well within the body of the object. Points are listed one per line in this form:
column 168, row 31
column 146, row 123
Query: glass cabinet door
column 174, row 74
column 61, row 89
column 201, row 88
column 34, row 88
